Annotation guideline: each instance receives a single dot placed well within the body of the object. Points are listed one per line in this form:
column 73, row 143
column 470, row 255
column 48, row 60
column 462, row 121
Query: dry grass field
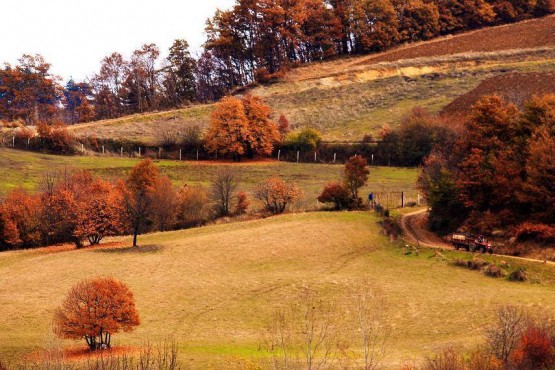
column 214, row 289
column 350, row 97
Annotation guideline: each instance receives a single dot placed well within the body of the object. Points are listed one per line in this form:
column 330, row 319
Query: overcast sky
column 74, row 35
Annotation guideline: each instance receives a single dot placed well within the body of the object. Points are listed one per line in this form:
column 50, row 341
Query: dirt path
column 414, row 228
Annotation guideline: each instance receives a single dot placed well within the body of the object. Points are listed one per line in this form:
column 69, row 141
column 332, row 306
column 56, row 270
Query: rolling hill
column 214, row 289
column 348, row 98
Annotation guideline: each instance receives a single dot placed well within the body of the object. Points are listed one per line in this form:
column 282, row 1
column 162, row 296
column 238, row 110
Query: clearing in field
column 214, row 289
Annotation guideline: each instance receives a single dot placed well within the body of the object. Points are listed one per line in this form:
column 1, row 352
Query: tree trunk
column 135, row 233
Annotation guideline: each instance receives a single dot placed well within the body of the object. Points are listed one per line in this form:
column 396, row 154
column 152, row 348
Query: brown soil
column 524, row 35
column 515, row 88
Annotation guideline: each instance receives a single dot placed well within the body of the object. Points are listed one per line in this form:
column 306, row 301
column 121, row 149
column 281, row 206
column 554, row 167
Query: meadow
column 214, row 289
column 26, row 169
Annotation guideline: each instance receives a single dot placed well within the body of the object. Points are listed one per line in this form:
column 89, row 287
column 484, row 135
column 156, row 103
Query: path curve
column 414, row 230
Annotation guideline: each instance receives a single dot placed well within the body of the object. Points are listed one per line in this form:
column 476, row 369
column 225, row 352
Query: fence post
column 402, row 199
column 121, row 153
column 82, row 147
column 372, row 159
column 159, row 153
column 279, row 154
column 139, row 152
column 197, row 154
column 298, row 153
column 13, row 141
column 102, row 149
column 179, row 154
column 334, row 157
column 315, row 157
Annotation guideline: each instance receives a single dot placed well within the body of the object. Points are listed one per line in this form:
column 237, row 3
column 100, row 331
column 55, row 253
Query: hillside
column 349, row 97
column 26, row 169
column 214, row 293
column 516, row 88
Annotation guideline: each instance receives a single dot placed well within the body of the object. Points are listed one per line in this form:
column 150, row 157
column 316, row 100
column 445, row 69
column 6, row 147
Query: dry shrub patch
column 494, row 271
column 518, row 275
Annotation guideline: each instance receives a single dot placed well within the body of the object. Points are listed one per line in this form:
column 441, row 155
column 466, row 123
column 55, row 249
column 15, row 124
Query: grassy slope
column 350, row 97
column 25, row 169
column 213, row 288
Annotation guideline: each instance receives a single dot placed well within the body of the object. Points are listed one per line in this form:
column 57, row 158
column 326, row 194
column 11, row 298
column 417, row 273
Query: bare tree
column 370, row 306
column 503, row 335
column 223, row 188
column 308, row 332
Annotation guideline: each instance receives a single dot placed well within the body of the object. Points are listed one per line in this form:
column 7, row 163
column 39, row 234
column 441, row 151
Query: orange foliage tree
column 21, row 219
column 241, row 127
column 138, row 194
column 277, row 194
column 356, row 176
column 95, row 310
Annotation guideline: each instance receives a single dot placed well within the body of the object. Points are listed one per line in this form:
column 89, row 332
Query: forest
column 254, row 42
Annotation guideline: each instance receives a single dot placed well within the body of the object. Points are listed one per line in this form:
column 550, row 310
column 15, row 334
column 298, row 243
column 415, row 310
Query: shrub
column 193, row 208
column 535, row 350
column 537, row 232
column 306, row 140
column 483, row 360
column 392, row 226
column 476, row 263
column 276, row 194
column 518, row 275
column 336, row 194
column 494, row 271
column 243, row 203
column 55, row 138
column 446, row 359
column 460, row 262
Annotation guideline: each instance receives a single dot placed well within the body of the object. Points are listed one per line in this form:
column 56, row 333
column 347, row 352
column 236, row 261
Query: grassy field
column 26, row 169
column 350, row 97
column 213, row 289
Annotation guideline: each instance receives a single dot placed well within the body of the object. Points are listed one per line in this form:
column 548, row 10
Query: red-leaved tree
column 95, row 310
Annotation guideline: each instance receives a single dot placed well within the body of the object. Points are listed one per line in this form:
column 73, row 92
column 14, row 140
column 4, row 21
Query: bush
column 276, row 194
column 306, row 140
column 193, row 208
column 476, row 264
column 243, row 203
column 336, row 194
column 494, row 271
column 446, row 359
column 537, row 232
column 535, row 350
column 460, row 262
column 519, row 275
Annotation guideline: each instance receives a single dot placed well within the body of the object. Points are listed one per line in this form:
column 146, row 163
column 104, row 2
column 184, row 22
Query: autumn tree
column 355, row 176
column 277, row 194
column 100, row 208
column 96, row 309
column 29, row 91
column 138, row 191
column 241, row 127
column 21, row 219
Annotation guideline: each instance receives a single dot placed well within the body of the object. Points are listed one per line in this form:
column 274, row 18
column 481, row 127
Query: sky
column 74, row 35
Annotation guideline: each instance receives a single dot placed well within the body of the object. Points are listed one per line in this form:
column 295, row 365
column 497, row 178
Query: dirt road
column 414, row 228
